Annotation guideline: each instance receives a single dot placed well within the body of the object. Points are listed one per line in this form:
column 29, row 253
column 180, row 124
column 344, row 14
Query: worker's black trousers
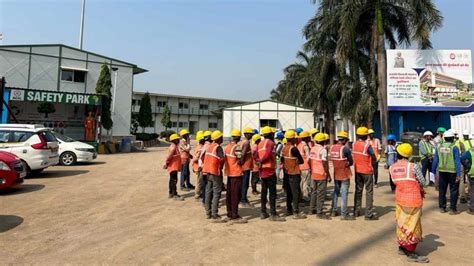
column 448, row 179
column 268, row 185
column 173, row 183
column 291, row 184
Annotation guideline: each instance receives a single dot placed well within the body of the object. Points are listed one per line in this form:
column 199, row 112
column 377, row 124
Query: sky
column 231, row 49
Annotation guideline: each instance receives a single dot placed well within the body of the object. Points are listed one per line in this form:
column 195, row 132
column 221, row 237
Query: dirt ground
column 116, row 210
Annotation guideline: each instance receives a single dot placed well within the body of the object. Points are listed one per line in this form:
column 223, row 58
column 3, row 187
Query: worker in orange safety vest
column 173, row 166
column 319, row 174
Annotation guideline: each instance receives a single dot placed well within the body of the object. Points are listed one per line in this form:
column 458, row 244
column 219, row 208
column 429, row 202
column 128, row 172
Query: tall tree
column 166, row 119
column 103, row 86
column 145, row 117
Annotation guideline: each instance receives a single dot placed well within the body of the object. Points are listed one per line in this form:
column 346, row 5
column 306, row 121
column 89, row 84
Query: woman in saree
column 409, row 194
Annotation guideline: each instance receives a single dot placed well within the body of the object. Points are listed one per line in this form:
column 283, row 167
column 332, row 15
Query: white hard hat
column 427, row 133
column 452, row 130
column 465, row 132
column 448, row 134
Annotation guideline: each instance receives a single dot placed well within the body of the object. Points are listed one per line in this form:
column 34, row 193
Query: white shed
column 266, row 113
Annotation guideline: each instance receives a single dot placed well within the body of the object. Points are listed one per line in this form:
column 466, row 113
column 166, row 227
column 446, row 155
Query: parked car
column 12, row 171
column 35, row 145
column 72, row 151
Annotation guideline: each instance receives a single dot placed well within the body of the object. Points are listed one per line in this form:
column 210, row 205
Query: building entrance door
column 192, row 127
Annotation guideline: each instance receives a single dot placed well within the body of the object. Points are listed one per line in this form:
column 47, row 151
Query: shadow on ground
column 8, row 222
column 59, row 174
column 90, row 163
column 429, row 244
column 24, row 188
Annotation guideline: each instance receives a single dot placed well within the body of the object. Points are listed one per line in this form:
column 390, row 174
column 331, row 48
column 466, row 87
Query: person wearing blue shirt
column 447, row 161
column 466, row 161
column 391, row 155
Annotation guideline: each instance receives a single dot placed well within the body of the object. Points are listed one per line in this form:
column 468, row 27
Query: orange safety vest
column 339, row 162
column 317, row 167
column 248, row 160
column 212, row 164
column 232, row 166
column 362, row 159
column 375, row 143
column 254, row 149
column 305, row 165
column 184, row 154
column 175, row 162
column 196, row 153
column 408, row 190
column 262, row 149
column 290, row 163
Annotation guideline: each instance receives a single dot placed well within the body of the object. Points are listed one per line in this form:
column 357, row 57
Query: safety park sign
column 25, row 95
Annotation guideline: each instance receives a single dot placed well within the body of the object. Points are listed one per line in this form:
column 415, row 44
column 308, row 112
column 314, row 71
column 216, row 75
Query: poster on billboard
column 424, row 80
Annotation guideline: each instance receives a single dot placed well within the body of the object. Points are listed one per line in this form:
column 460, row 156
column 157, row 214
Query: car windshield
column 63, row 137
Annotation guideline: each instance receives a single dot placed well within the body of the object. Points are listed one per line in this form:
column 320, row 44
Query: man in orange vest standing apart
column 304, row 150
column 213, row 163
column 234, row 173
column 173, row 166
column 267, row 161
column 292, row 159
column 341, row 158
column 247, row 164
column 363, row 155
column 319, row 174
column 377, row 148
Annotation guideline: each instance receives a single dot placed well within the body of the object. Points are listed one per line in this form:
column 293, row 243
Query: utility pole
column 81, row 33
column 2, row 89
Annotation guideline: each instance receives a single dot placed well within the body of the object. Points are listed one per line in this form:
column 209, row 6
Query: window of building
column 73, row 75
column 268, row 122
column 183, row 124
column 136, row 102
column 203, row 107
column 160, row 103
column 174, row 124
column 213, row 125
column 183, row 105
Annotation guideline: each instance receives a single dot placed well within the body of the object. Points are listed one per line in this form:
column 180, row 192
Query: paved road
column 117, row 211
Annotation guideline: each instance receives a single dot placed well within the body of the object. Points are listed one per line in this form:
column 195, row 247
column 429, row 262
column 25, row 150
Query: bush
column 146, row 136
column 166, row 134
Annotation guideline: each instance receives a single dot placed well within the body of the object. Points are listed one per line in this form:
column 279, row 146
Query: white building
column 266, row 113
column 189, row 112
column 58, row 74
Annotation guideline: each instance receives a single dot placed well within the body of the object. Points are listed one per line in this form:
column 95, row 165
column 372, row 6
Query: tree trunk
column 382, row 78
column 331, row 125
column 345, row 124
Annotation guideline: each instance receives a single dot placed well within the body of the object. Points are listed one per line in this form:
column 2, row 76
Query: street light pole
column 115, row 70
column 81, row 31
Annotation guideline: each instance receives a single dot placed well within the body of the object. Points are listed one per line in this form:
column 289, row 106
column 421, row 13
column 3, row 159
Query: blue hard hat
column 255, row 131
column 299, row 130
column 391, row 137
column 279, row 135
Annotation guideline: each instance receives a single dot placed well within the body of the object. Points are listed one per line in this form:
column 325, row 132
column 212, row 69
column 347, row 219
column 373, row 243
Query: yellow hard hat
column 199, row 135
column 405, row 150
column 362, row 131
column 207, row 133
column 174, row 137
column 313, row 131
column 320, row 137
column 304, row 134
column 216, row 135
column 371, row 131
column 290, row 134
column 183, row 132
column 343, row 134
column 235, row 133
column 326, row 136
column 248, row 130
column 284, row 141
column 274, row 130
column 266, row 130
column 256, row 137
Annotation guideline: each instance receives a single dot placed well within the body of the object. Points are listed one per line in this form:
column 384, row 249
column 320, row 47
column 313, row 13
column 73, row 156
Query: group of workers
column 304, row 158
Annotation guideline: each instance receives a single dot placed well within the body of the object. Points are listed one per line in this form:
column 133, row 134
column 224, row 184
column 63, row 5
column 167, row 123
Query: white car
column 35, row 145
column 72, row 151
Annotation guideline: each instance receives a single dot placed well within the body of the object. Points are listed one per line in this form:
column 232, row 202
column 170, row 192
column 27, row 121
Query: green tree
column 46, row 108
column 145, row 118
column 103, row 86
column 166, row 119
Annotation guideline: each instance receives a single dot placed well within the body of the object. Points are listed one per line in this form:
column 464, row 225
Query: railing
column 175, row 110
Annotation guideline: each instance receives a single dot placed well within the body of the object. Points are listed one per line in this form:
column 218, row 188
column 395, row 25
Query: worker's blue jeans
column 245, row 186
column 425, row 167
column 341, row 188
column 185, row 176
column 446, row 179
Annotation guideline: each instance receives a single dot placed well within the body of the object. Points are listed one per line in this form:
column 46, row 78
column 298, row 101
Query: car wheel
column 67, row 158
column 27, row 168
